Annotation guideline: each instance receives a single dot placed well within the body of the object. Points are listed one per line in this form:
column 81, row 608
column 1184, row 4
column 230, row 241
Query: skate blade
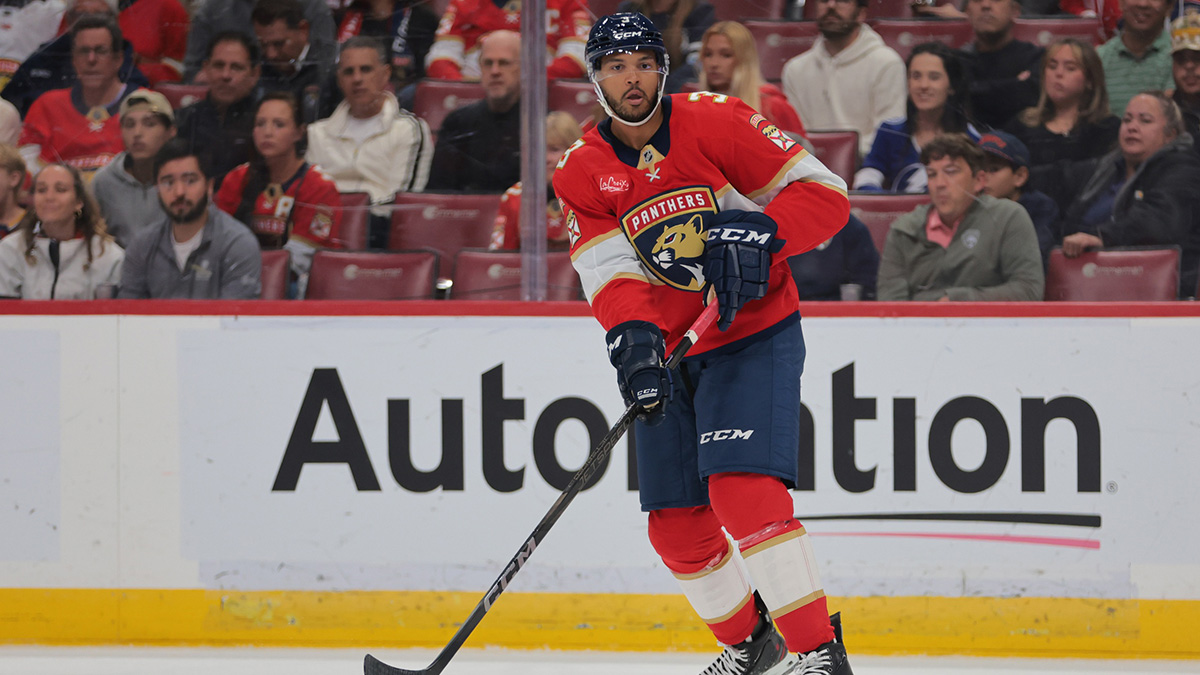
column 785, row 666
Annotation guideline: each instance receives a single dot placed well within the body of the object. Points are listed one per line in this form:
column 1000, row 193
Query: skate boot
column 828, row 659
column 763, row 653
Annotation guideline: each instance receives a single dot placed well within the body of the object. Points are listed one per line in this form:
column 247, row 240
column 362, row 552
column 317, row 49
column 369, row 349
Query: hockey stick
column 373, row 666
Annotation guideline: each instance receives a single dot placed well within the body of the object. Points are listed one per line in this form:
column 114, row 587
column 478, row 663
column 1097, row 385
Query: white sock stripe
column 784, row 570
column 719, row 592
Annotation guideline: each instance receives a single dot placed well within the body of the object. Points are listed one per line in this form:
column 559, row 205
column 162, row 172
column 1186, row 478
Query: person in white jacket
column 60, row 250
column 370, row 144
column 849, row 79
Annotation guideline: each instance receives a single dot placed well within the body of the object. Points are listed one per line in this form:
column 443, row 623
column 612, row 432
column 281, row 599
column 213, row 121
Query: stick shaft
column 595, row 460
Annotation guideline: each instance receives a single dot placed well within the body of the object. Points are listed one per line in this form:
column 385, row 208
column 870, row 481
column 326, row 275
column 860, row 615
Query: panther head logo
column 682, row 244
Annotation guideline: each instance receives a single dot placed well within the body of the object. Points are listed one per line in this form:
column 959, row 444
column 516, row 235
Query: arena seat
column 361, row 275
column 275, row 263
column 442, row 222
column 480, row 274
column 355, row 217
column 740, row 10
column 904, row 34
column 837, row 150
column 1114, row 274
column 180, row 95
column 577, row 97
column 878, row 211
column 879, row 9
column 1044, row 30
column 435, row 99
column 603, row 7
column 778, row 41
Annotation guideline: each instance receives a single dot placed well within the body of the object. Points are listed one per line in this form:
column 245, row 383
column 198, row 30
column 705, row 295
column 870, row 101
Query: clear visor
column 642, row 62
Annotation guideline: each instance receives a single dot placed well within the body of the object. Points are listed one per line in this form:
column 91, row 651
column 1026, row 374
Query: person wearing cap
column 1006, row 173
column 125, row 188
column 964, row 245
column 1185, row 68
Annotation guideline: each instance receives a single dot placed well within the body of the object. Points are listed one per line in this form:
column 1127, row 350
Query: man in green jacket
column 965, row 245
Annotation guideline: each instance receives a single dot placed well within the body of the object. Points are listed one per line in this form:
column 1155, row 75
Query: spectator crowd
column 161, row 148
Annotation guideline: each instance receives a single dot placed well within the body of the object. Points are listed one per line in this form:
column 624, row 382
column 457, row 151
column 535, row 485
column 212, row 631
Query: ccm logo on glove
column 735, row 234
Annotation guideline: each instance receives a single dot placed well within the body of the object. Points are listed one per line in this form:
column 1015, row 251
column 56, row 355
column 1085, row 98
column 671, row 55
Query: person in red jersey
column 670, row 201
column 286, row 201
column 561, row 131
column 455, row 51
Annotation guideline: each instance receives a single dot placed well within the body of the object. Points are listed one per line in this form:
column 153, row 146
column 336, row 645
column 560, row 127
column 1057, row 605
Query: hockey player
column 670, row 197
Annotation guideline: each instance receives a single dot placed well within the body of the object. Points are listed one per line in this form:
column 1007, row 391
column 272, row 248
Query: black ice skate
column 828, row 659
column 763, row 653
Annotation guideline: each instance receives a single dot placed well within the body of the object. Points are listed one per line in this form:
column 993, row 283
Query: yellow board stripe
column 1038, row 627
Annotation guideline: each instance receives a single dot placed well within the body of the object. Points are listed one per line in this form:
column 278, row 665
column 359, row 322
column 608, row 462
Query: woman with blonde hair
column 60, row 249
column 561, row 131
column 1071, row 120
column 12, row 176
column 729, row 65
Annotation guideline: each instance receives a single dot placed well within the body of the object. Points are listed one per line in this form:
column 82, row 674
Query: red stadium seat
column 359, row 275
column 879, row 9
column 1140, row 274
column 904, row 34
column 779, row 41
column 603, row 7
column 496, row 275
column 577, row 97
column 1043, row 31
column 180, row 95
column 437, row 98
column 356, row 214
column 445, row 223
column 275, row 263
column 740, row 10
column 879, row 211
column 837, row 150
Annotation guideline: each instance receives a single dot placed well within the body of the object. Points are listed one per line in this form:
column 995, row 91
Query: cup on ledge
column 105, row 291
column 851, row 292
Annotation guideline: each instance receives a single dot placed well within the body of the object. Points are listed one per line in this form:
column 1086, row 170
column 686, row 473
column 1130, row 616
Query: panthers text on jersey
column 637, row 216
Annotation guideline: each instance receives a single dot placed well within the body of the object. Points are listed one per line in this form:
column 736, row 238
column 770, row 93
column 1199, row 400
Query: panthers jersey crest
column 668, row 230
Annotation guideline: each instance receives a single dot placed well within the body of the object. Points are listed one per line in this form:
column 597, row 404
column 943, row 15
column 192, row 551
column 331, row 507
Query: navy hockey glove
column 737, row 259
column 637, row 350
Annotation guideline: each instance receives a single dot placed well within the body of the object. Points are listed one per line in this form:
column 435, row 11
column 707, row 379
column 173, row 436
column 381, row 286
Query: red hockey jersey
column 637, row 217
column 307, row 208
column 67, row 131
column 455, row 51
column 506, row 229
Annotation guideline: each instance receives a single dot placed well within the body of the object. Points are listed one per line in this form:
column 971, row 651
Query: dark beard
column 188, row 216
column 835, row 29
column 629, row 118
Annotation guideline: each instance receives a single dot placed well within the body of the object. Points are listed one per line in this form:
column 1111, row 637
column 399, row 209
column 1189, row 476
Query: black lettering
column 544, row 431
column 995, row 457
column 497, row 409
column 847, row 409
column 325, row 387
column 1036, row 415
column 806, row 464
column 449, row 472
column 904, row 444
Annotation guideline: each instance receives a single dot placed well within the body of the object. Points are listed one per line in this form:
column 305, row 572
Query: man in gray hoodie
column 849, row 79
column 197, row 251
column 125, row 187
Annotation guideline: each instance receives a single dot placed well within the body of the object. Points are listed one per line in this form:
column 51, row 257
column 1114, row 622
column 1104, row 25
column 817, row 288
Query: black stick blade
column 373, row 666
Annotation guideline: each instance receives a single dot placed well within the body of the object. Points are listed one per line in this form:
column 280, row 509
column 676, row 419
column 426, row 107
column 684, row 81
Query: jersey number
column 563, row 162
column 717, row 98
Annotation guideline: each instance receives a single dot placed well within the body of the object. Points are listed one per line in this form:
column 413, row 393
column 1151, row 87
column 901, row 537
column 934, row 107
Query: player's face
column 630, row 84
column 1065, row 79
column 275, row 130
column 1143, row 129
column 144, row 133
column 183, row 189
column 1185, row 65
column 718, row 60
column 54, row 197
column 361, row 77
column 95, row 61
column 231, row 76
column 928, row 84
column 952, row 187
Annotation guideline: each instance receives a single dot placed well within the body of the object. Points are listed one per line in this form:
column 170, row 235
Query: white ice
column 23, row 660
